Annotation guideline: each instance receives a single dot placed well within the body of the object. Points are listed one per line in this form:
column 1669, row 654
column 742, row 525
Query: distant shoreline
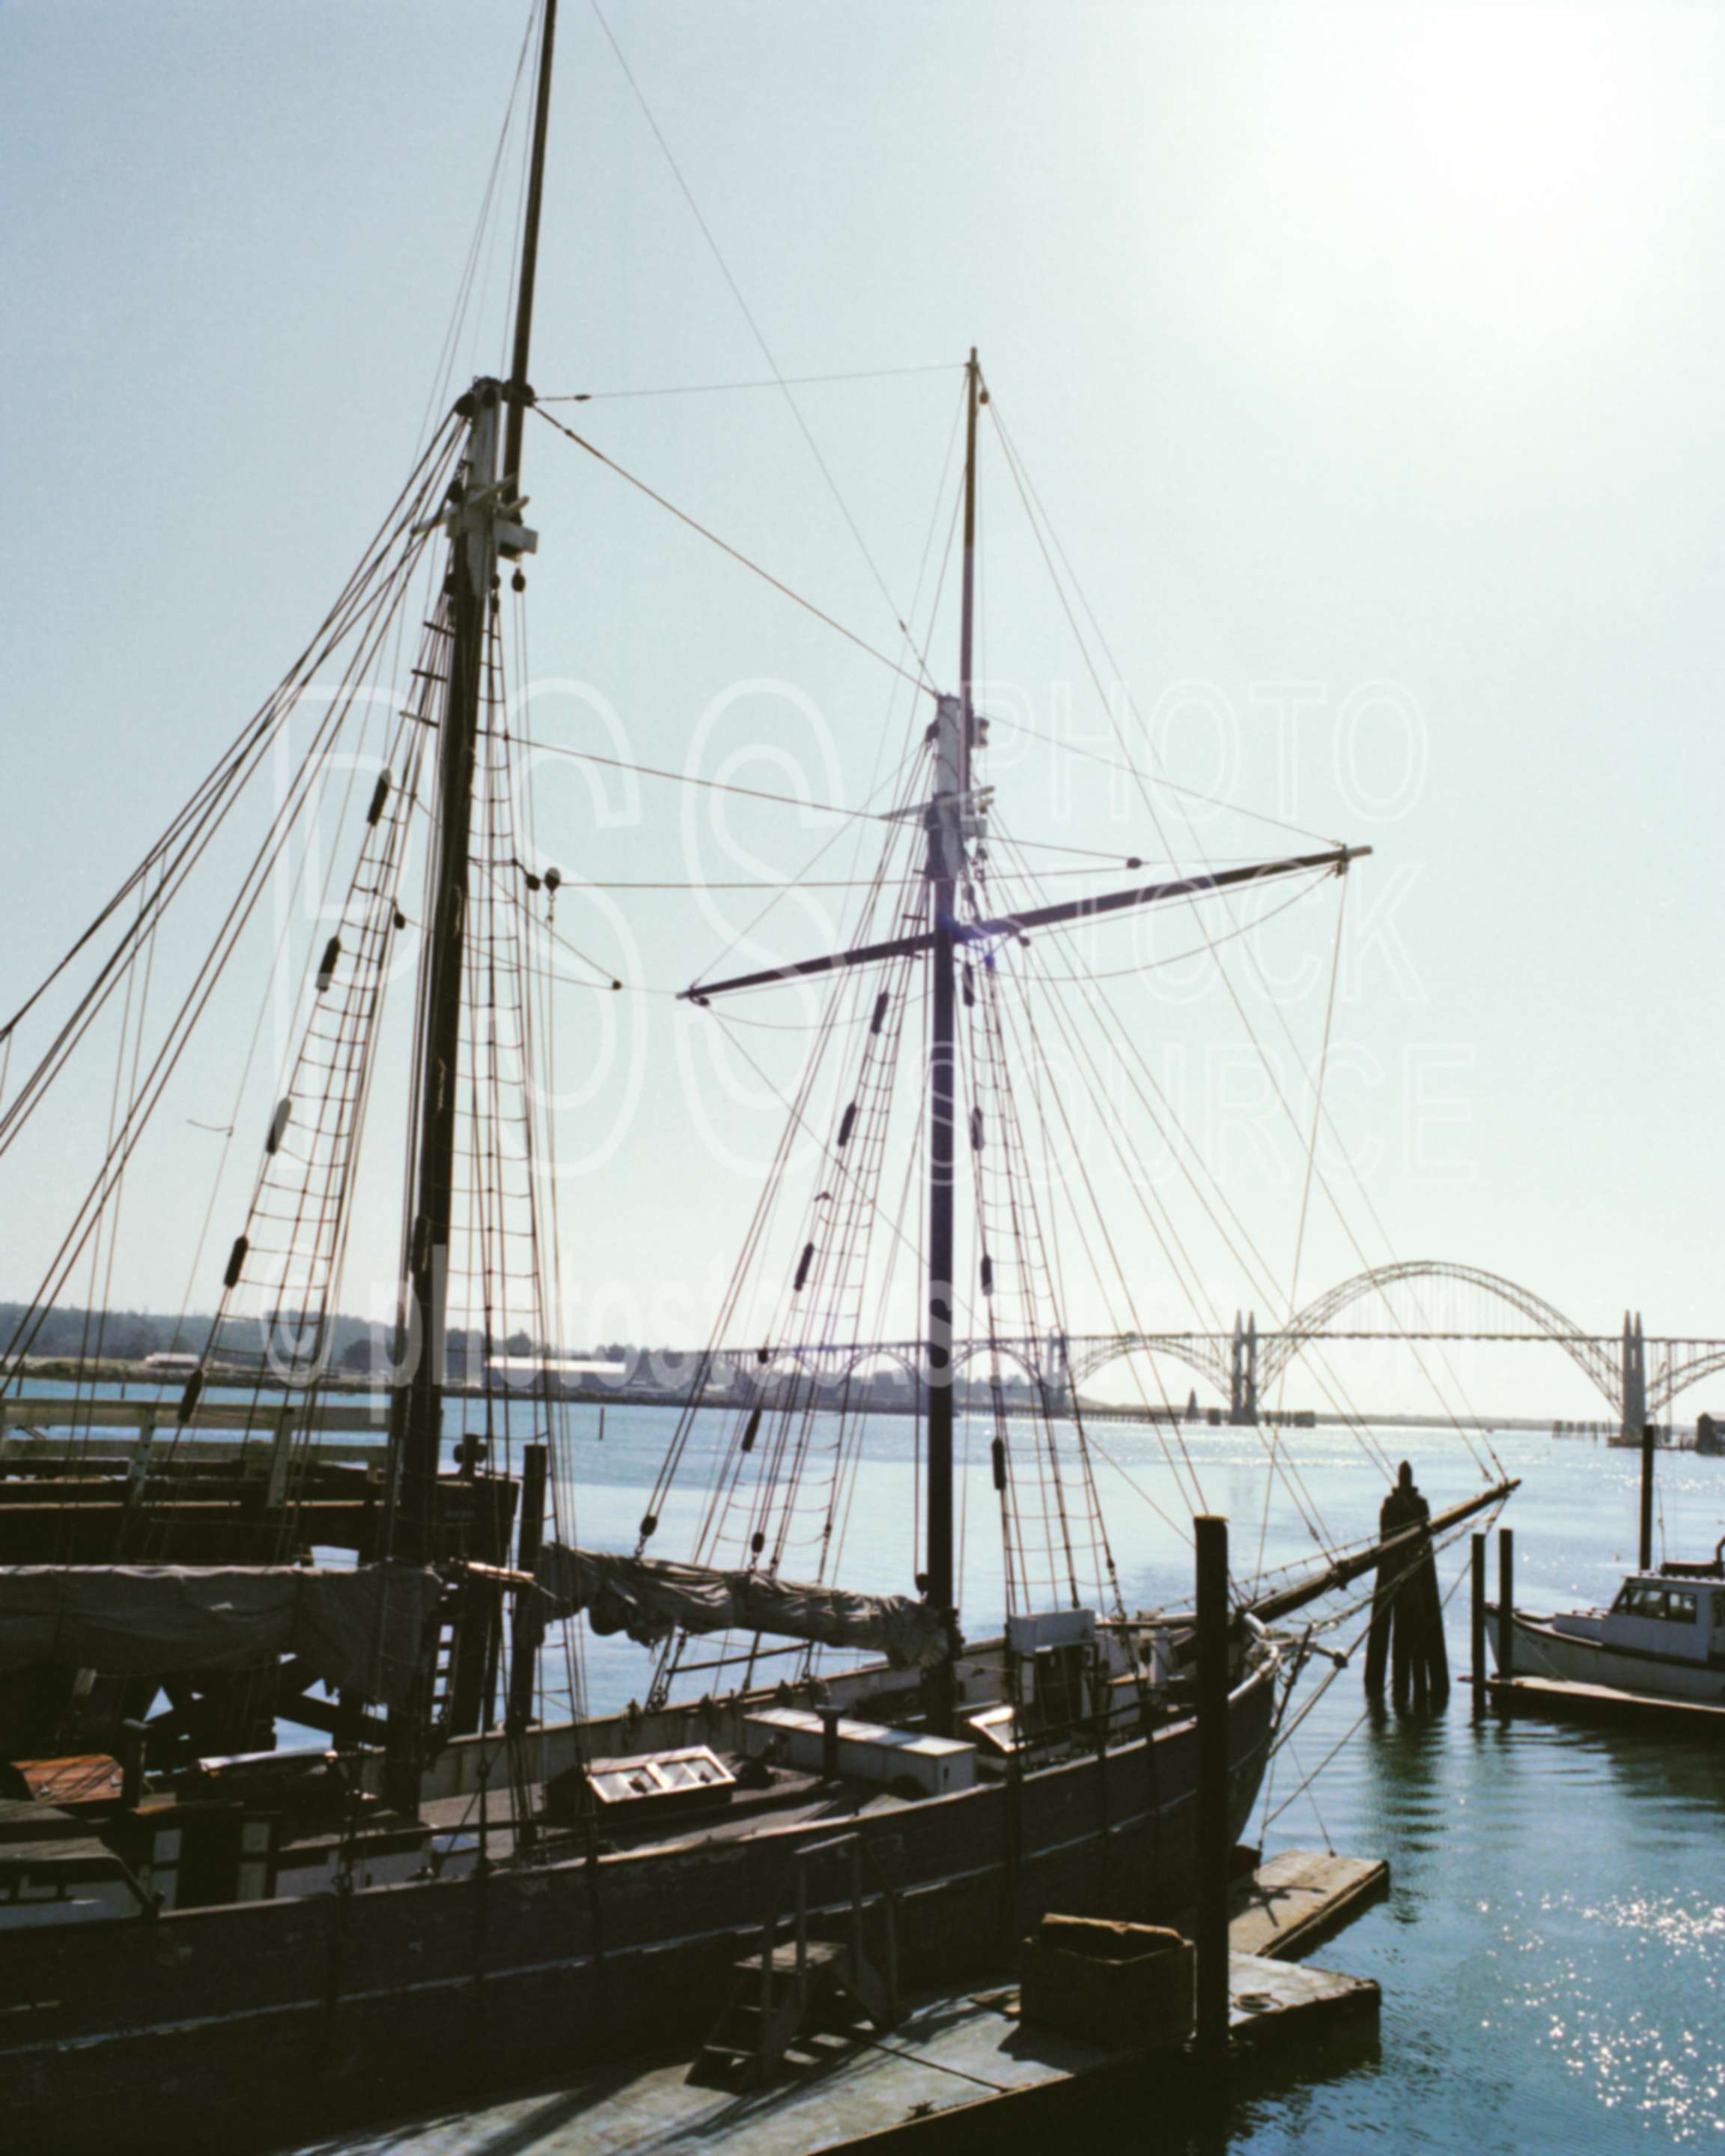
column 111, row 1371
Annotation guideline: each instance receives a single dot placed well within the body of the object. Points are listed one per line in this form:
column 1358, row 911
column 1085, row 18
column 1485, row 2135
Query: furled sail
column 360, row 1629
column 651, row 1598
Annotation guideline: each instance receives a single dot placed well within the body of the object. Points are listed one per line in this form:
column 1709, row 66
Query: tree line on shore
column 128, row 1336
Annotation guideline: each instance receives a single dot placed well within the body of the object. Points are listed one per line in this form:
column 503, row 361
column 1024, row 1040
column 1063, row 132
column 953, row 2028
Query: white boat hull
column 1541, row 1650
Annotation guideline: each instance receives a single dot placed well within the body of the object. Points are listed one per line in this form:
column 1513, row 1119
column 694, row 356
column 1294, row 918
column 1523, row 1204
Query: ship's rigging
column 937, row 1184
column 475, row 1841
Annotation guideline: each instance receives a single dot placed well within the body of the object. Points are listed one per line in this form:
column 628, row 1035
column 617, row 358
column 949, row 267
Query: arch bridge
column 1242, row 1364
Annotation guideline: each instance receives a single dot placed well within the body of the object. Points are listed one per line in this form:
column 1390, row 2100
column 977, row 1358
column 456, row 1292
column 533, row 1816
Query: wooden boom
column 1036, row 916
column 1286, row 1599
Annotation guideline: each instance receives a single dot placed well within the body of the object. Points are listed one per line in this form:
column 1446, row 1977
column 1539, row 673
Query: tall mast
column 956, row 812
column 966, row 608
column 946, row 812
column 518, row 391
column 481, row 518
column 416, row 1404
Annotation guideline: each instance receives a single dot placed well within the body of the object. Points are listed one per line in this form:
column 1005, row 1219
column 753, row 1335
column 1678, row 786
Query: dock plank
column 960, row 2069
column 1563, row 1696
column 956, row 2070
column 1297, row 1897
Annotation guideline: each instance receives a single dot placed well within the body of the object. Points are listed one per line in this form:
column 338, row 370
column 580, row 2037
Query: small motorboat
column 1662, row 1638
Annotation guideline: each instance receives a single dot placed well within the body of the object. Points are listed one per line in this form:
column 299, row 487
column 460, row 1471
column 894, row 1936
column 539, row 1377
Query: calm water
column 1552, row 1953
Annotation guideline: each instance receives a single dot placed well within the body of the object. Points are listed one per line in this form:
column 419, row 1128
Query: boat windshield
column 1674, row 1605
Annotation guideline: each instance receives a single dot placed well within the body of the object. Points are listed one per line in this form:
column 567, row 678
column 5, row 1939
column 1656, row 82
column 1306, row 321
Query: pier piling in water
column 1506, row 1607
column 1406, row 1639
column 1476, row 1620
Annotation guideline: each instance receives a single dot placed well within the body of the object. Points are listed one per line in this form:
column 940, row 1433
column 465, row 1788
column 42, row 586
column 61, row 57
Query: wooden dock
column 1300, row 1896
column 956, row 2073
column 1563, row 1700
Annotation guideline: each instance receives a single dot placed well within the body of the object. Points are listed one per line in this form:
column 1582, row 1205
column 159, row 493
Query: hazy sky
column 1367, row 363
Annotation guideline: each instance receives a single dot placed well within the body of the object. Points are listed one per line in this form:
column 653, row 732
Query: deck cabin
column 1674, row 1614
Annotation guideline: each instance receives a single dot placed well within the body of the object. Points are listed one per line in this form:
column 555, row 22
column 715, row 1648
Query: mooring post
column 529, row 1533
column 1478, row 1616
column 1215, row 1838
column 1646, row 1561
column 1405, row 1638
column 1506, row 1605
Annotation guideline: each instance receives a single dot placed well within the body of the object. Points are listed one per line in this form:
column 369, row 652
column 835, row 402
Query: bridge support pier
column 1243, row 1370
column 1058, row 1390
column 1634, row 1391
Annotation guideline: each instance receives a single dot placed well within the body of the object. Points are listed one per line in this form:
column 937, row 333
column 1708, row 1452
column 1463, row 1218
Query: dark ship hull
column 248, row 2025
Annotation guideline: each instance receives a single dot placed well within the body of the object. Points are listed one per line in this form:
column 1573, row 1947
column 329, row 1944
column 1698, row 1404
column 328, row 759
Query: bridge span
column 1244, row 1364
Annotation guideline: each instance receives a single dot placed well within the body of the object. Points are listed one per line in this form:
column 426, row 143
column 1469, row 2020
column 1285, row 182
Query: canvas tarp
column 360, row 1629
column 651, row 1598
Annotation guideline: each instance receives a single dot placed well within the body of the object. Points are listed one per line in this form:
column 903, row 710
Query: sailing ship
column 221, row 1938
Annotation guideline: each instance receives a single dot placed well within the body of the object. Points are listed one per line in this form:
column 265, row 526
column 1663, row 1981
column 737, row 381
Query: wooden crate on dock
column 1114, row 1983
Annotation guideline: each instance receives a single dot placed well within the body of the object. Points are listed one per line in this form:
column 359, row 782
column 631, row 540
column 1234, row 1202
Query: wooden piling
column 1646, row 1559
column 1431, row 1656
column 1406, row 1636
column 1214, row 1839
column 535, row 1465
column 1477, row 1615
column 1505, row 1603
column 1378, row 1634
